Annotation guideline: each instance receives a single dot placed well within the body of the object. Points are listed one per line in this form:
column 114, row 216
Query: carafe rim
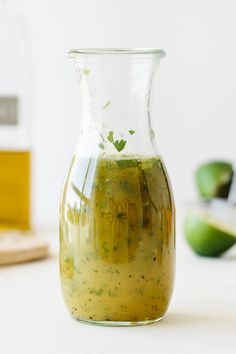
column 107, row 51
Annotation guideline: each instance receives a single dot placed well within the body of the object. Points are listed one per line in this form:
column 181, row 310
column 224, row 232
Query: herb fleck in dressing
column 117, row 239
column 106, row 105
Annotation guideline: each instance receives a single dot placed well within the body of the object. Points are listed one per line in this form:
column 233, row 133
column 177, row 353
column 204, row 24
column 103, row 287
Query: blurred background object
column 18, row 247
column 14, row 121
column 213, row 179
column 210, row 225
column 210, row 228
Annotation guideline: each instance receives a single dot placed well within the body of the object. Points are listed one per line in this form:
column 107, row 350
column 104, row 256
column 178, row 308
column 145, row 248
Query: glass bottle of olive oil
column 117, row 216
column 14, row 121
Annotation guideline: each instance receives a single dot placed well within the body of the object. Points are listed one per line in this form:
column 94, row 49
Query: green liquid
column 117, row 236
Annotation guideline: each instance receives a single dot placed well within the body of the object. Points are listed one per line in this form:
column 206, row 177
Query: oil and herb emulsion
column 117, row 216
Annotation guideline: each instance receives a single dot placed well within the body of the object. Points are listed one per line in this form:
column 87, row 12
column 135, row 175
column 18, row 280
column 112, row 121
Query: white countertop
column 201, row 318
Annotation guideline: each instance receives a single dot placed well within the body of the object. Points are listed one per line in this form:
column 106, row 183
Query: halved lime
column 211, row 230
column 213, row 179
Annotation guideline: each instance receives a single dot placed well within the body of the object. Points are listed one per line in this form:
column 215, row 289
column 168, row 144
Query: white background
column 196, row 103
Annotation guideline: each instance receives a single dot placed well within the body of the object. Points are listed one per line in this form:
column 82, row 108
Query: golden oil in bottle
column 14, row 189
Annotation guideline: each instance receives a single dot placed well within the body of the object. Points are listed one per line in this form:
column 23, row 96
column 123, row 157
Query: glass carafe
column 117, row 215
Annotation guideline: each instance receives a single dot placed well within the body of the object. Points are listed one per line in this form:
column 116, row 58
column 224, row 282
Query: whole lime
column 213, row 179
column 208, row 236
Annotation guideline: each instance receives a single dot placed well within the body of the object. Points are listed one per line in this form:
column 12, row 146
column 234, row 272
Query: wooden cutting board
column 19, row 248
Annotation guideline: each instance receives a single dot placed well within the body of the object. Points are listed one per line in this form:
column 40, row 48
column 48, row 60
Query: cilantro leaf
column 102, row 146
column 152, row 133
column 86, row 71
column 131, row 132
column 110, row 137
column 107, row 104
column 119, row 145
column 102, row 137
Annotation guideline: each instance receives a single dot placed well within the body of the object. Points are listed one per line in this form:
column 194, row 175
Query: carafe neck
column 116, row 93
